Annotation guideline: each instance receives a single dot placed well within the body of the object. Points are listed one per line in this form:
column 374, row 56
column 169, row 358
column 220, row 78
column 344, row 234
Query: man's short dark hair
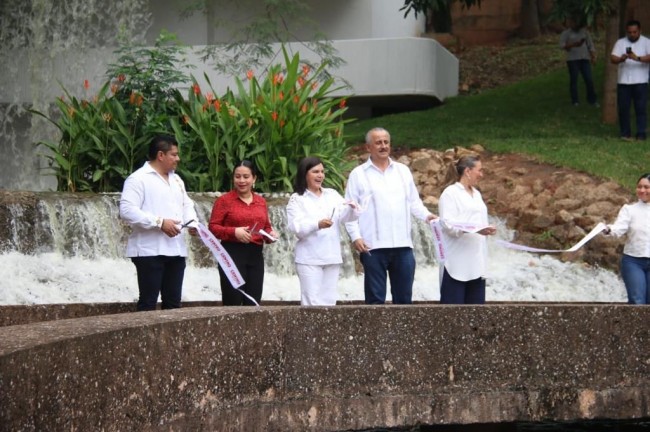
column 631, row 23
column 161, row 143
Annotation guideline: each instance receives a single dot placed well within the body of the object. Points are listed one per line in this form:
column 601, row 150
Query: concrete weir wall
column 283, row 368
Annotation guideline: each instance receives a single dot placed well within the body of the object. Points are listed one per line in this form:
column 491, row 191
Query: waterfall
column 47, row 45
column 63, row 247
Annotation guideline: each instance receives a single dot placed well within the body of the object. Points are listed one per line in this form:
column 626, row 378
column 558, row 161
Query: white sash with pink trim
column 223, row 258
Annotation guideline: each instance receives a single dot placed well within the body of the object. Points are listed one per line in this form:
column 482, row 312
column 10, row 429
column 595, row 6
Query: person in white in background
column 632, row 55
column 154, row 202
column 463, row 274
column 634, row 220
column 382, row 235
column 313, row 215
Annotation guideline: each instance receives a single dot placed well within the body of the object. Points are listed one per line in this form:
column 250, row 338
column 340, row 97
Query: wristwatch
column 159, row 222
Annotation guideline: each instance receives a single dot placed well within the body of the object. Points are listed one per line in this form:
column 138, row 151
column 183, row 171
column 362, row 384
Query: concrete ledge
column 348, row 367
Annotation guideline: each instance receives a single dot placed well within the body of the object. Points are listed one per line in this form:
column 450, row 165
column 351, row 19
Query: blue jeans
column 628, row 94
column 159, row 275
column 581, row 67
column 453, row 291
column 400, row 265
column 636, row 275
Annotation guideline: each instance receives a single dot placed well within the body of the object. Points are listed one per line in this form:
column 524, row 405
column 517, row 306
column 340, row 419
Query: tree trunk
column 612, row 33
column 440, row 19
column 529, row 19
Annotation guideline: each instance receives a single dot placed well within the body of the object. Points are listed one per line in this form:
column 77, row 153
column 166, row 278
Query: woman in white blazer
column 314, row 214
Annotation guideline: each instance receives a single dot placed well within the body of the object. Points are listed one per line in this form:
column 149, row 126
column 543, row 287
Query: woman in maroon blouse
column 237, row 217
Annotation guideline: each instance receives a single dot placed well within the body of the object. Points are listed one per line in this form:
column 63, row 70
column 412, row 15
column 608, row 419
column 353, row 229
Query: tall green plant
column 299, row 117
column 276, row 120
column 104, row 137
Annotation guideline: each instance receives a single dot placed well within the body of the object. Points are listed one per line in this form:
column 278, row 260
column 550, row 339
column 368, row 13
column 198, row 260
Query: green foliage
column 585, row 12
column 275, row 121
column 424, row 6
column 287, row 115
column 105, row 137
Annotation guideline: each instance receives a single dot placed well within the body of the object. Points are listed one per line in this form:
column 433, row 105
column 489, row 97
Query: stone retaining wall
column 342, row 368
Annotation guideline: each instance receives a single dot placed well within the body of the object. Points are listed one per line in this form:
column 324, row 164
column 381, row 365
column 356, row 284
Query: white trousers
column 318, row 284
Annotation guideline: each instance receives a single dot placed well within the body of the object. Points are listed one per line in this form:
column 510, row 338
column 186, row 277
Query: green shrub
column 286, row 115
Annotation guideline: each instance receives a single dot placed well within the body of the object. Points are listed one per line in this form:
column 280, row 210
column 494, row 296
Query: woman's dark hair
column 305, row 164
column 248, row 164
column 161, row 143
column 644, row 176
column 457, row 169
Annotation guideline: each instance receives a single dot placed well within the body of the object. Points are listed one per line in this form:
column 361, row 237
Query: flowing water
column 65, row 248
column 46, row 46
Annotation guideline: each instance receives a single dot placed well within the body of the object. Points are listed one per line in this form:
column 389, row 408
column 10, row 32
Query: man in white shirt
column 154, row 202
column 382, row 235
column 632, row 55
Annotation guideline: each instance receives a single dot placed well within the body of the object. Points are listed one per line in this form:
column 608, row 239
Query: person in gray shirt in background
column 580, row 54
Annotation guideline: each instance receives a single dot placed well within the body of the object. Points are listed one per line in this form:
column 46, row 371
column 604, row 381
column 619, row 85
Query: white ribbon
column 438, row 239
column 223, row 258
column 593, row 233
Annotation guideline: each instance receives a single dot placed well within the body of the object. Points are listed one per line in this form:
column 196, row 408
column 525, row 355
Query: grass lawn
column 534, row 117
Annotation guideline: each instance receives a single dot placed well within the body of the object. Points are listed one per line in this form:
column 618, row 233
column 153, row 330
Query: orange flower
column 139, row 101
column 197, row 89
column 296, row 99
column 71, row 111
column 277, row 79
column 209, row 97
column 86, row 84
column 274, row 116
column 121, row 77
column 304, row 108
column 250, row 75
column 282, row 123
column 205, row 106
column 186, row 119
column 114, row 88
column 342, row 103
column 301, row 81
column 281, row 95
column 217, row 105
column 132, row 98
column 305, row 70
column 314, row 85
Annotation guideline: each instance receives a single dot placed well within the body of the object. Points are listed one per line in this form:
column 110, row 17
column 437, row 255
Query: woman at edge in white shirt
column 314, row 214
column 463, row 274
column 634, row 220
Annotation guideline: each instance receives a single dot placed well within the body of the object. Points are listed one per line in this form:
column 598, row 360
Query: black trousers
column 159, row 275
column 249, row 260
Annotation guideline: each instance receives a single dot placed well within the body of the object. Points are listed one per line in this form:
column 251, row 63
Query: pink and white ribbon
column 438, row 239
column 593, row 233
column 224, row 259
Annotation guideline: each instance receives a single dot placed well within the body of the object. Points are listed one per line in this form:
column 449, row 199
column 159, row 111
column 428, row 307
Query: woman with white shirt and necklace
column 634, row 220
column 463, row 273
column 314, row 214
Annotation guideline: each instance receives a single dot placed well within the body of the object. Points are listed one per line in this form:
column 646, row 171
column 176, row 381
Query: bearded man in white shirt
column 632, row 55
column 382, row 235
column 154, row 202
